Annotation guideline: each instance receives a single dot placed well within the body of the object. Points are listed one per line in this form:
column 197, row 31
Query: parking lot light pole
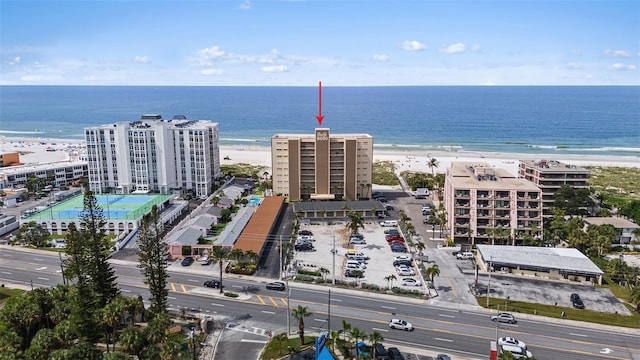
column 288, row 310
column 334, row 251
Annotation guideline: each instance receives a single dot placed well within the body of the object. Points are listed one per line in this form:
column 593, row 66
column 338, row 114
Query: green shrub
column 230, row 294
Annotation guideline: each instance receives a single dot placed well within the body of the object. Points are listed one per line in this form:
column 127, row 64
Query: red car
column 395, row 238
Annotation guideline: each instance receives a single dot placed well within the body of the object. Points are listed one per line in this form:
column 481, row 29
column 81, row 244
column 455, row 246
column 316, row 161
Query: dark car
column 395, row 247
column 442, row 357
column 276, row 285
column 353, row 273
column 187, row 261
column 402, row 262
column 395, row 354
column 216, row 284
column 305, row 233
column 576, row 301
column 304, row 247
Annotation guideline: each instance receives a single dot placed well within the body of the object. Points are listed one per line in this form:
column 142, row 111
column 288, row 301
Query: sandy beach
column 42, row 150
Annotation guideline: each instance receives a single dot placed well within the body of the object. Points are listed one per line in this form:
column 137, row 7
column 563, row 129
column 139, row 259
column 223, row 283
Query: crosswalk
column 277, row 302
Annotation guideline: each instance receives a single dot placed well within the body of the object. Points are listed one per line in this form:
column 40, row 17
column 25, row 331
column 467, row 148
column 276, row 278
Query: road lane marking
column 193, row 280
column 41, row 268
column 43, row 278
column 441, row 339
column 37, row 259
column 171, row 297
column 336, row 300
column 451, row 286
column 215, row 304
column 388, row 307
column 445, row 315
column 269, row 312
column 173, row 287
column 184, row 289
column 284, row 301
column 261, row 299
column 321, row 320
column 379, row 329
column 6, row 272
column 574, row 334
column 273, row 302
column 125, row 290
column 254, row 341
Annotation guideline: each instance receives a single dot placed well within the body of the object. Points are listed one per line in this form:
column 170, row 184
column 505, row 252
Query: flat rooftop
column 563, row 259
column 483, row 176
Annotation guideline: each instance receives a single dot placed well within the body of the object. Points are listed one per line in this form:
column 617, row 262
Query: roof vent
column 179, row 117
column 151, row 117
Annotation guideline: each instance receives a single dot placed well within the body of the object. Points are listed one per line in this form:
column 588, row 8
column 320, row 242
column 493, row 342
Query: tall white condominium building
column 154, row 155
column 322, row 166
column 487, row 205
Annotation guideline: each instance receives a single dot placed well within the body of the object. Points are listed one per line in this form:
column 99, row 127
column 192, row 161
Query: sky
column 338, row 42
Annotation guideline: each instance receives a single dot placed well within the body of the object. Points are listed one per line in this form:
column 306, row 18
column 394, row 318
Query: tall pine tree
column 153, row 264
column 101, row 274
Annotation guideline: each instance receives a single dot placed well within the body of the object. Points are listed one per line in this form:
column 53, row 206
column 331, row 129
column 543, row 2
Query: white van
column 516, row 351
column 354, row 266
column 357, row 263
column 389, row 223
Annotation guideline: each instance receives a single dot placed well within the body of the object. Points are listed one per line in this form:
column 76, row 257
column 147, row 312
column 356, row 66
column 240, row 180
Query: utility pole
column 329, row 313
column 64, row 281
column 288, row 310
column 489, row 283
column 334, row 250
column 281, row 264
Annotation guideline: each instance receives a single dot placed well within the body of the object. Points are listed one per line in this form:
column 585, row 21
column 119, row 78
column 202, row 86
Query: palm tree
column 346, row 326
column 236, row 254
column 215, row 200
column 131, row 340
column 220, row 254
column 433, row 271
column 324, row 272
column 300, row 313
column 355, row 222
column 356, row 334
column 375, row 338
column 251, row 255
column 420, row 246
column 390, row 279
column 433, row 163
column 335, row 334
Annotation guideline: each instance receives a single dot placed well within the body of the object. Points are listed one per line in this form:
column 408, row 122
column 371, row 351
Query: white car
column 400, row 324
column 357, row 240
column 404, row 271
column 305, row 238
column 507, row 340
column 403, row 257
column 410, row 282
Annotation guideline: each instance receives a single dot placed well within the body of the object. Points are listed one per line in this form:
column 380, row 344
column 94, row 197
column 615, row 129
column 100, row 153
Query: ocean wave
column 244, row 140
column 419, row 146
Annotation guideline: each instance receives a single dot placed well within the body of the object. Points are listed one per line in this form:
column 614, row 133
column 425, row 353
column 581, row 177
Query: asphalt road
column 460, row 331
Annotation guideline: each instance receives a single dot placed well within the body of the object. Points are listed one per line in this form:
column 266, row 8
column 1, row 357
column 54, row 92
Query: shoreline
column 35, row 150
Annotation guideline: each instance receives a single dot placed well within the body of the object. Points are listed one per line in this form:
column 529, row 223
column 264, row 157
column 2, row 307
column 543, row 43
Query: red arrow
column 320, row 117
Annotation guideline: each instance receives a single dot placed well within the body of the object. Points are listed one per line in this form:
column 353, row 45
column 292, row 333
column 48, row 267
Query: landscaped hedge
column 242, row 268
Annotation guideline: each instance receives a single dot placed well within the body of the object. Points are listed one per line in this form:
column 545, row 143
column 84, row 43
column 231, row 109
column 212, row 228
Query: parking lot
column 380, row 257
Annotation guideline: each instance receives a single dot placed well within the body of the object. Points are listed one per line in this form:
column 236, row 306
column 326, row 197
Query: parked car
column 403, row 257
column 508, row 340
column 426, row 208
column 304, row 247
column 396, row 247
column 442, row 357
column 389, row 223
column 357, row 241
column 276, row 285
column 517, row 352
column 400, row 324
column 305, row 233
column 354, row 273
column 391, row 232
column 187, row 261
column 410, row 282
column 305, row 238
column 400, row 262
column 576, row 301
column 358, row 235
column 395, row 354
column 388, row 207
column 381, row 352
column 404, row 271
column 216, row 284
column 205, row 260
column 395, row 238
column 354, row 266
column 504, row 317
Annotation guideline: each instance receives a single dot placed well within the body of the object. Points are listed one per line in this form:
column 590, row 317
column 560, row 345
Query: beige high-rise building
column 487, row 205
column 322, row 166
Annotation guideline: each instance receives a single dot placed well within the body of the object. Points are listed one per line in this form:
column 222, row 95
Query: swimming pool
column 254, row 201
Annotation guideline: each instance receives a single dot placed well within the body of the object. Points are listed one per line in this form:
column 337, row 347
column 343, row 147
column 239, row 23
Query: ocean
column 560, row 120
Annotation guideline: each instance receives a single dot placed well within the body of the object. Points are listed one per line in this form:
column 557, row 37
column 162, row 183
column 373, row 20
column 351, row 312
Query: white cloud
column 16, row 60
column 380, row 57
column 573, row 66
column 454, row 48
column 211, row 72
column 617, row 53
column 245, row 5
column 142, row 59
column 275, row 68
column 413, row 45
column 621, row 67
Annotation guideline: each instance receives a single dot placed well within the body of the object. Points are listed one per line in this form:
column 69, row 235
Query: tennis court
column 114, row 207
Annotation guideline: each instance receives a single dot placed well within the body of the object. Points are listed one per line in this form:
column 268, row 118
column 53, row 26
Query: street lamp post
column 288, row 310
column 334, row 250
column 433, row 231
